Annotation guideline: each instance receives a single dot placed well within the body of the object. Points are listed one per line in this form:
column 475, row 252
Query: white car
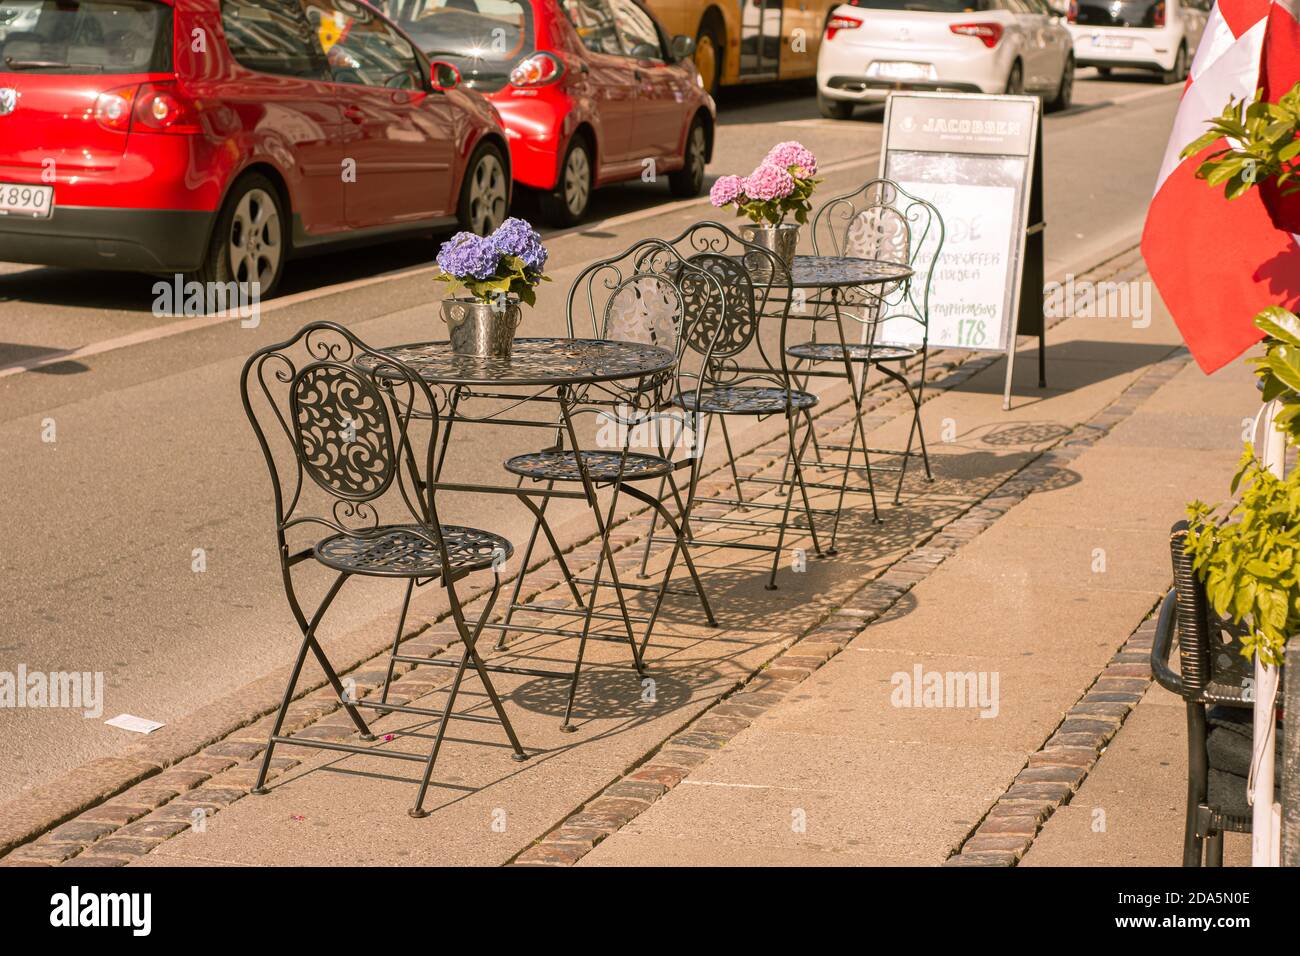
column 1157, row 35
column 970, row 46
column 18, row 16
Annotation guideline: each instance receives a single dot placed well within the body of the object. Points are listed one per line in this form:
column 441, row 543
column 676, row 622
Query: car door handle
column 354, row 113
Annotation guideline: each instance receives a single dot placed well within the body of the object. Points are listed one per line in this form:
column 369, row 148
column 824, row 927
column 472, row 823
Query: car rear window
column 484, row 39
column 1118, row 13
column 929, row 6
column 85, row 36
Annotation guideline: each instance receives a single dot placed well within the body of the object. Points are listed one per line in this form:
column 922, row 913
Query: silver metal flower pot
column 781, row 240
column 481, row 329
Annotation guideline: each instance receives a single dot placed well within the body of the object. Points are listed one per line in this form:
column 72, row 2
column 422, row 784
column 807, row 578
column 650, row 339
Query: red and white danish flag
column 1218, row 262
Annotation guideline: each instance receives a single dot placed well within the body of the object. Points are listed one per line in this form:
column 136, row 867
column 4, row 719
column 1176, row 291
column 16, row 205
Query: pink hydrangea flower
column 726, row 190
column 768, row 182
column 795, row 154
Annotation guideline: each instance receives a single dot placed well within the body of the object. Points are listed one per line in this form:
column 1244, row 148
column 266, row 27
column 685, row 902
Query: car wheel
column 1065, row 92
column 834, row 109
column 708, row 55
column 689, row 180
column 1016, row 79
column 248, row 243
column 1179, row 71
column 485, row 193
column 567, row 205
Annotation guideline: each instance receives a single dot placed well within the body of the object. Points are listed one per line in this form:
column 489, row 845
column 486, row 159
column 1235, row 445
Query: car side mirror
column 444, row 75
column 682, row 47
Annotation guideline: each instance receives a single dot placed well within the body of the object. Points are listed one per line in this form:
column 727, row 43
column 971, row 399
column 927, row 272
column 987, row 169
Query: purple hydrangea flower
column 769, row 182
column 515, row 237
column 467, row 256
column 726, row 190
column 795, row 154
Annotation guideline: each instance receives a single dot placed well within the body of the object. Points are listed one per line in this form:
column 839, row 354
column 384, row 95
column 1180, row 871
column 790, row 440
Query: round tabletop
column 832, row 272
column 536, row 361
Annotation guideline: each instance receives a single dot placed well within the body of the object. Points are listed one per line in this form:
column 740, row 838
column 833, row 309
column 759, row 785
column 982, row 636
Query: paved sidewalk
column 1033, row 556
column 1041, row 601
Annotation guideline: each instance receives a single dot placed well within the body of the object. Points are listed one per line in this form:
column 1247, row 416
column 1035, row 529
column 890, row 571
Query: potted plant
column 779, row 186
column 499, row 272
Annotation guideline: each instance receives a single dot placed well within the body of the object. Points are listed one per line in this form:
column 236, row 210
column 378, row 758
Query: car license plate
column 35, row 202
column 1112, row 43
column 901, row 70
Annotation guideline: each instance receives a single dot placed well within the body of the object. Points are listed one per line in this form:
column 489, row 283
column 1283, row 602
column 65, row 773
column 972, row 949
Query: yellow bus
column 747, row 41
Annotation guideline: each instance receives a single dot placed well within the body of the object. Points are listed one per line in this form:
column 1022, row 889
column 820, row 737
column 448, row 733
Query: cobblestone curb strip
column 1052, row 774
column 1060, row 766
column 117, row 808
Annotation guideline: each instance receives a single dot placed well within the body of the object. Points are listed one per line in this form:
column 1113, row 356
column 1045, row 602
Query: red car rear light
column 161, row 108
column 988, row 33
column 835, row 24
column 147, row 108
column 540, row 69
column 1072, row 12
column 1159, row 14
column 113, row 108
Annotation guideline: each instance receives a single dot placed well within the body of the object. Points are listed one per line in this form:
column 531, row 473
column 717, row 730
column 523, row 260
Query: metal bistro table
column 846, row 279
column 558, row 371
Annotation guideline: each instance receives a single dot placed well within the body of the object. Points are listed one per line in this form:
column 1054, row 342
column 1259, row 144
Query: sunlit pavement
column 153, row 457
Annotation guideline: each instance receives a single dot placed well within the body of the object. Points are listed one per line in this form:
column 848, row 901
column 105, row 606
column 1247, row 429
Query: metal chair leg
column 397, row 639
column 308, row 643
column 1214, row 849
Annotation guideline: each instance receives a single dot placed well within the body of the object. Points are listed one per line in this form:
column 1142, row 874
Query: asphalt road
column 153, row 458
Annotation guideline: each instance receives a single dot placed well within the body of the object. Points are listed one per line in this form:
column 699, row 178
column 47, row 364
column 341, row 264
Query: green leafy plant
column 1250, row 559
column 1263, row 143
column 1248, row 555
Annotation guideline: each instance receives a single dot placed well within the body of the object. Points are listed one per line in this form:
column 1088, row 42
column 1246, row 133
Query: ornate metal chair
column 362, row 429
column 640, row 295
column 879, row 220
column 738, row 377
column 1214, row 680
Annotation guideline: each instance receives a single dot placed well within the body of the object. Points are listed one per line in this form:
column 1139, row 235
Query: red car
column 217, row 138
column 591, row 91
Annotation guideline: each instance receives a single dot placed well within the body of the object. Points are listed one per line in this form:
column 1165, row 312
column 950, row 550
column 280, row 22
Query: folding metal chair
column 738, row 377
column 363, row 428
column 642, row 296
column 882, row 221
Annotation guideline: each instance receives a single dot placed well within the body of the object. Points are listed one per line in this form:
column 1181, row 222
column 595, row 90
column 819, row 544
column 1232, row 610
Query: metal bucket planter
column 781, row 240
column 481, row 329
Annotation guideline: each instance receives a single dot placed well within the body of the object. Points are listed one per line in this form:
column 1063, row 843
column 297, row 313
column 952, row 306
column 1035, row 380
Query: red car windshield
column 85, row 36
column 484, row 39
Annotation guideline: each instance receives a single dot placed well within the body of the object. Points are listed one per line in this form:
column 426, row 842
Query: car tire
column 1065, row 92
column 834, row 109
column 689, row 180
column 1178, row 72
column 1016, row 79
column 709, row 53
column 567, row 204
column 249, row 235
column 485, row 193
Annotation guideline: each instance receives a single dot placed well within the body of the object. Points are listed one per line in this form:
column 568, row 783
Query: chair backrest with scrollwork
column 726, row 320
column 881, row 220
column 644, row 294
column 348, row 434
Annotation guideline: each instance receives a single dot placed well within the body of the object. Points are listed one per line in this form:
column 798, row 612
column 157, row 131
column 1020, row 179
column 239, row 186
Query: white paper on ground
column 137, row 724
